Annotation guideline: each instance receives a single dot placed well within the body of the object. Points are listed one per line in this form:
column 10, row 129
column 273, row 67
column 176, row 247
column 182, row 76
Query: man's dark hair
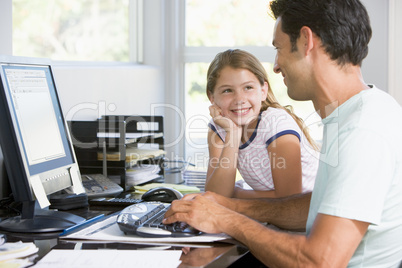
column 343, row 25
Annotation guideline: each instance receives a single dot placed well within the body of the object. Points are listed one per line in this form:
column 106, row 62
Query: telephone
column 98, row 185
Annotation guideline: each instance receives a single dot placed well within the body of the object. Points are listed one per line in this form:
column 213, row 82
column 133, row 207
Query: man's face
column 291, row 64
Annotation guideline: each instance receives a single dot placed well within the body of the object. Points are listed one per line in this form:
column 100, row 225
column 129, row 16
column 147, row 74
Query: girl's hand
column 219, row 118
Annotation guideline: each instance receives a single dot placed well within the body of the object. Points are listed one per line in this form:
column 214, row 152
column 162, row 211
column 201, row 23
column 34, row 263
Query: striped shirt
column 254, row 162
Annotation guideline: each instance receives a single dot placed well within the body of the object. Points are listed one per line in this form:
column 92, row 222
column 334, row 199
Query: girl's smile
column 241, row 111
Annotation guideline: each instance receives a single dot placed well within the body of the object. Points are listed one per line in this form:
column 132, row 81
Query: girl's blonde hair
column 240, row 59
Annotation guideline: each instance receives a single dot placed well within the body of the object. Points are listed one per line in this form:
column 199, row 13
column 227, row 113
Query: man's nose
column 276, row 66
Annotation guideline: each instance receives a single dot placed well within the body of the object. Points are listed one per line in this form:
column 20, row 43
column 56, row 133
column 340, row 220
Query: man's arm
column 332, row 240
column 331, row 243
column 288, row 213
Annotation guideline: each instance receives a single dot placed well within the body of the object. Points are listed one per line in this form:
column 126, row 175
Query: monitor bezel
column 34, row 218
column 14, row 156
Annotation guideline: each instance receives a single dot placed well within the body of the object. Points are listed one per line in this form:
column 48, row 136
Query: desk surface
column 217, row 255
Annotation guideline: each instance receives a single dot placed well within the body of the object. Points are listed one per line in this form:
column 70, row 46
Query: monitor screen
column 34, row 137
column 39, row 122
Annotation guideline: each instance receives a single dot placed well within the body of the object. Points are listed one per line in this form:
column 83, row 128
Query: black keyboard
column 113, row 201
column 145, row 219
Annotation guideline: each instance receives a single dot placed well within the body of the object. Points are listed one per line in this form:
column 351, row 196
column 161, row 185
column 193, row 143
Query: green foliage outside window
column 83, row 30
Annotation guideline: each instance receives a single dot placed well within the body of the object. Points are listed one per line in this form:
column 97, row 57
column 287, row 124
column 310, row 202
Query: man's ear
column 306, row 39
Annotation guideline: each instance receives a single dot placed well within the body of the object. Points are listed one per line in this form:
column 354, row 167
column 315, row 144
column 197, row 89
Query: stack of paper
column 184, row 189
column 195, row 177
column 133, row 155
column 110, row 258
column 17, row 254
column 108, row 230
column 141, row 174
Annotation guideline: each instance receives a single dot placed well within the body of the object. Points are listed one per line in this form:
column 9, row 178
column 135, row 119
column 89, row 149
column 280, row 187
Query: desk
column 218, row 255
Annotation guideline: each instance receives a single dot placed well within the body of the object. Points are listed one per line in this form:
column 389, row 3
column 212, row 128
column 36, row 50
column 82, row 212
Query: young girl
column 251, row 132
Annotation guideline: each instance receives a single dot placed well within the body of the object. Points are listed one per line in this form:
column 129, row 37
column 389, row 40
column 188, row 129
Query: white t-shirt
column 360, row 174
column 254, row 162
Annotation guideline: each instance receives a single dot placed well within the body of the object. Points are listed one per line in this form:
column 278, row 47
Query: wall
column 86, row 93
column 395, row 52
column 5, row 27
column 375, row 66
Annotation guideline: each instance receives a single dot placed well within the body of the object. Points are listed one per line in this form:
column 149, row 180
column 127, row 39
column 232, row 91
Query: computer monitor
column 36, row 145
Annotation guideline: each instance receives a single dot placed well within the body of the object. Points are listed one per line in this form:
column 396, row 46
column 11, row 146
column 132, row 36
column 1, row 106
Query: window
column 74, row 30
column 224, row 23
column 213, row 26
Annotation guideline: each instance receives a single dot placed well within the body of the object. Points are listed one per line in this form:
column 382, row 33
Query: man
column 354, row 215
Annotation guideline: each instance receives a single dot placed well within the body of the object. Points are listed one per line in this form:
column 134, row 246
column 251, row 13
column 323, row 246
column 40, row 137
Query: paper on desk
column 13, row 250
column 110, row 258
column 184, row 189
column 108, row 230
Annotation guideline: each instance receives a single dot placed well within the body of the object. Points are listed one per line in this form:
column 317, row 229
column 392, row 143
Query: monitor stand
column 34, row 220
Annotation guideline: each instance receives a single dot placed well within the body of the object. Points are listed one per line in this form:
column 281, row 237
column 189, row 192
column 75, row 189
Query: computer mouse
column 162, row 194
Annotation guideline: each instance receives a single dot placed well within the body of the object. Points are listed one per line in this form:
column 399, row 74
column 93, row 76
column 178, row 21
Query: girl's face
column 239, row 94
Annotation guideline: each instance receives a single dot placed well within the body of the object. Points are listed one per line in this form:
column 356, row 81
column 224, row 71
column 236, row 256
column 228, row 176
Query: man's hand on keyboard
column 222, row 200
column 200, row 211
